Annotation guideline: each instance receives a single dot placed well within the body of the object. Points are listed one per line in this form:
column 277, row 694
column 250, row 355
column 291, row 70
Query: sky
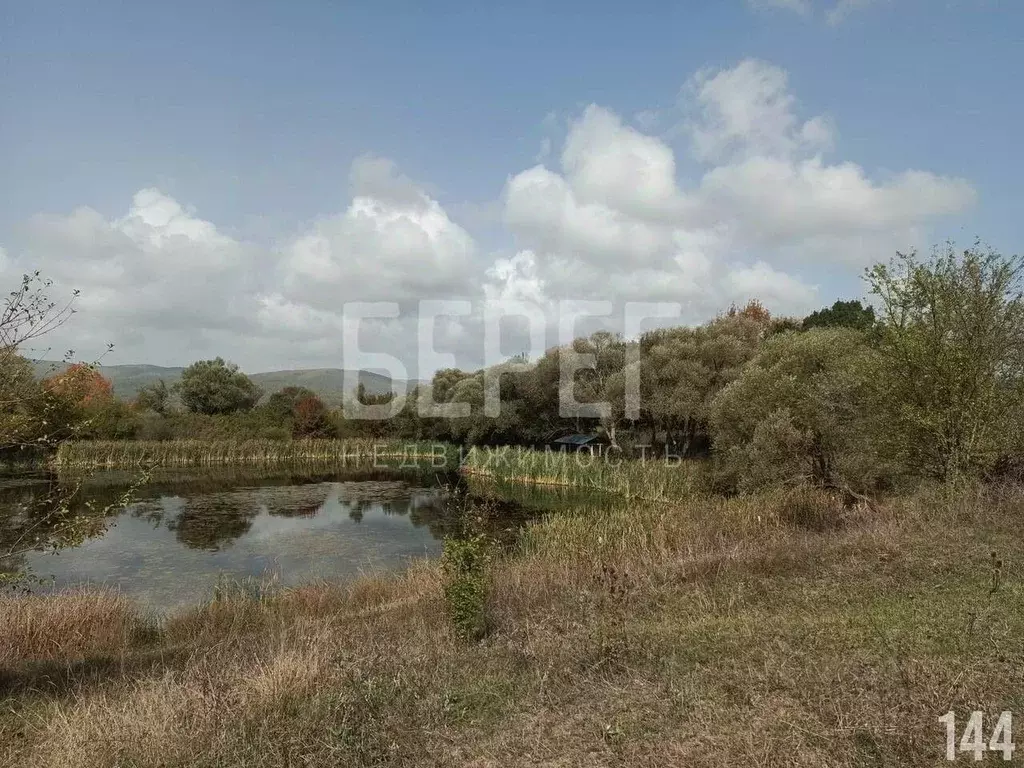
column 228, row 178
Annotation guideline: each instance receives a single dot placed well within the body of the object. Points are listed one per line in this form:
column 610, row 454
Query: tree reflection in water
column 209, row 510
column 185, row 530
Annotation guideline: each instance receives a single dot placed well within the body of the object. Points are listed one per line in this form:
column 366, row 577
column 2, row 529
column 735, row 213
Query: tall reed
column 652, row 479
column 120, row 454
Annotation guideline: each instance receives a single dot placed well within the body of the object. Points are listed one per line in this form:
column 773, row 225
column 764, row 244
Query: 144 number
column 973, row 738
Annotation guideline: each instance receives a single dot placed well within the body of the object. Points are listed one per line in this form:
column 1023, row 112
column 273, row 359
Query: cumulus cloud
column 156, row 273
column 616, row 217
column 748, row 111
column 392, row 243
column 165, row 285
column 610, row 216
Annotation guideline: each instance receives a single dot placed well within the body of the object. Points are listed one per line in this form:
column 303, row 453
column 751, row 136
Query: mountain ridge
column 328, row 383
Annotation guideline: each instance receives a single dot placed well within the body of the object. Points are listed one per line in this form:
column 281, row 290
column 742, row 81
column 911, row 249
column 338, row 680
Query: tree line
column 927, row 381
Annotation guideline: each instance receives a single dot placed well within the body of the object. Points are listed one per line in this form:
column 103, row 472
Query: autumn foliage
column 81, row 385
column 311, row 418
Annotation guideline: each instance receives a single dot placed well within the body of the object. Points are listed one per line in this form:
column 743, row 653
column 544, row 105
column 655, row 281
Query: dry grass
column 128, row 454
column 711, row 633
column 67, row 627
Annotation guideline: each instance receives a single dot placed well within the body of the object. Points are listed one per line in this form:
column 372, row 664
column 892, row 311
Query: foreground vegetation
column 785, row 630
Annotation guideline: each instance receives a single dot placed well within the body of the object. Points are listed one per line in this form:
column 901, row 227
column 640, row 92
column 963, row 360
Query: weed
column 465, row 562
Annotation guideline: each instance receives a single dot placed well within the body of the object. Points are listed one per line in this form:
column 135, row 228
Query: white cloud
column 617, row 221
column 514, row 279
column 393, row 243
column 613, row 165
column 771, row 201
column 612, row 218
column 165, row 285
column 157, row 266
column 772, row 287
column 156, row 279
column 748, row 111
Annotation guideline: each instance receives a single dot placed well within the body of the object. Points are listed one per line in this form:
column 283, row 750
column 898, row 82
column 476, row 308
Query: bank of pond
column 171, row 537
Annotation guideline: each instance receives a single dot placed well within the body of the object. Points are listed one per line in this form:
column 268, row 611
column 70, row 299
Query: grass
column 709, row 632
column 122, row 454
column 657, row 478
column 653, row 479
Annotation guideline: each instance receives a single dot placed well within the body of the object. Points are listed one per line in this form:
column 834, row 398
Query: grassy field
column 772, row 631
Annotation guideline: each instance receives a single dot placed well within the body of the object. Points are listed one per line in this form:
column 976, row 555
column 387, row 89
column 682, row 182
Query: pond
column 186, row 530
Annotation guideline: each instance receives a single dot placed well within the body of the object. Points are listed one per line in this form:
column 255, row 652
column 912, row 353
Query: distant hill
column 328, row 383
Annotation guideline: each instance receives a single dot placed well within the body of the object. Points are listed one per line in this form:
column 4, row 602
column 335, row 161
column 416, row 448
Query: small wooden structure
column 592, row 443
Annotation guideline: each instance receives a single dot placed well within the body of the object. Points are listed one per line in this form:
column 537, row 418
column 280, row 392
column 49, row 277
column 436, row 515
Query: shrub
column 465, row 563
column 950, row 376
column 311, row 418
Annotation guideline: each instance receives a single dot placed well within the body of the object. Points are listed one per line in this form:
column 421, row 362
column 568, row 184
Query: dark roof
column 576, row 440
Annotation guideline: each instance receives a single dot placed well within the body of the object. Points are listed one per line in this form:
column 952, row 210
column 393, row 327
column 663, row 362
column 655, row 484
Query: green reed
column 653, row 478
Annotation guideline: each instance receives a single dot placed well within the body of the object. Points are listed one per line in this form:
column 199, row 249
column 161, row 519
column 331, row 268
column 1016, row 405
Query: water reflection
column 186, row 530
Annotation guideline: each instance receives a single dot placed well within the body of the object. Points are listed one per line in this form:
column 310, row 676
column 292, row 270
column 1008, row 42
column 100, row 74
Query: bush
column 950, row 376
column 465, row 564
column 154, row 427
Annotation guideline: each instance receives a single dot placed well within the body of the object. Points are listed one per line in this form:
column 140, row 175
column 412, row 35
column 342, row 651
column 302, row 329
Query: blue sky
column 250, row 117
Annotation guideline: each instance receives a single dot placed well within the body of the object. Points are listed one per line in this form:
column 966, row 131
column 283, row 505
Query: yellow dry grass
column 707, row 633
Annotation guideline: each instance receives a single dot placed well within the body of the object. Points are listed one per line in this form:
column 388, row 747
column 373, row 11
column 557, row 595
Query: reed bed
column 651, row 479
column 127, row 454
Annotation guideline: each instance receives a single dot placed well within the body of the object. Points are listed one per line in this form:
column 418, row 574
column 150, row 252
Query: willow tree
column 214, row 387
column 683, row 369
column 951, row 373
column 799, row 414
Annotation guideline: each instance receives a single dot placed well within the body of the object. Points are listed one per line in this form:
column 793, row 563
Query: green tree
column 796, row 414
column 951, row 373
column 684, row 368
column 842, row 314
column 604, row 381
column 154, row 397
column 444, row 382
column 215, row 387
column 280, row 406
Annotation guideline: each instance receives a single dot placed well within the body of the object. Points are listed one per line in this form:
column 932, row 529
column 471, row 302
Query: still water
column 185, row 530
